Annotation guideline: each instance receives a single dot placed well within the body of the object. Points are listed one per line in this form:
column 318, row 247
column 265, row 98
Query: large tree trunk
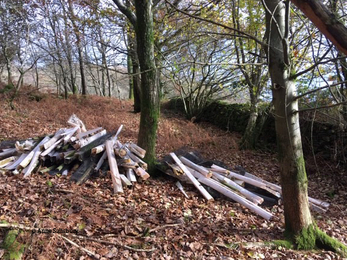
column 292, row 164
column 149, row 87
column 136, row 85
column 299, row 223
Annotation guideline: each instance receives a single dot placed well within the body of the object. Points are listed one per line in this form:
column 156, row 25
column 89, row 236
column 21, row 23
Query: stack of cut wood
column 78, row 152
column 228, row 183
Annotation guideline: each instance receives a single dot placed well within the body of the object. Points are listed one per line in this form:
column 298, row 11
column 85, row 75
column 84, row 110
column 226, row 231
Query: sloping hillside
column 152, row 220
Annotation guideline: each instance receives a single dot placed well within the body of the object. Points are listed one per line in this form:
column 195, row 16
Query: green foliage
column 13, row 249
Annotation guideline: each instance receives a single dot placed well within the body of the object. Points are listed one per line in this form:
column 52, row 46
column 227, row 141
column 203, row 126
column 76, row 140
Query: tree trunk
column 149, row 88
column 249, row 137
column 136, row 86
column 291, row 160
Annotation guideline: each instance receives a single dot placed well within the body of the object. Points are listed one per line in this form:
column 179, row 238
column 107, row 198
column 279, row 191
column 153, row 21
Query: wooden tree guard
column 117, row 183
column 226, row 191
column 202, row 190
column 196, row 167
column 249, row 195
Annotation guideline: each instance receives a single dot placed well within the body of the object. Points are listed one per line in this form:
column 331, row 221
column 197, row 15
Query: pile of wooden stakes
column 79, row 152
column 229, row 184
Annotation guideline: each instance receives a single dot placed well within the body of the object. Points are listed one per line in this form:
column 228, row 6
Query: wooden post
column 117, row 183
column 196, row 167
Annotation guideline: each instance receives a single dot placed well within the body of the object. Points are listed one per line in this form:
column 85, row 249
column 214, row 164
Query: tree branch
column 127, row 12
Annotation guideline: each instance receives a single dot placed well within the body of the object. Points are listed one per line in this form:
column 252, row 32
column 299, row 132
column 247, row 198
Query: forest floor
column 151, row 220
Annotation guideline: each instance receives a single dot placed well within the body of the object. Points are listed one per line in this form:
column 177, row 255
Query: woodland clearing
column 153, row 219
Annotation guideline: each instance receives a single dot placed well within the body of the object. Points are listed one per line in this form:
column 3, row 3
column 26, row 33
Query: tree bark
column 149, row 87
column 325, row 21
column 291, row 160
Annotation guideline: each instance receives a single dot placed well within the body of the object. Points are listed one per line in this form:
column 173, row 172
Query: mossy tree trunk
column 249, row 137
column 299, row 224
column 291, row 160
column 149, row 87
column 136, row 84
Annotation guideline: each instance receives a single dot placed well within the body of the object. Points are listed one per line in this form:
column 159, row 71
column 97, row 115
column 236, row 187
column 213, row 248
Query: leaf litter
column 153, row 219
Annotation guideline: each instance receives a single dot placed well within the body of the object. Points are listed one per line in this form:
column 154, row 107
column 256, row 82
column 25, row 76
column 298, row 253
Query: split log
column 272, row 186
column 117, row 183
column 53, row 140
column 35, row 152
column 75, row 121
column 202, row 190
column 226, row 191
column 137, row 160
column 137, row 150
column 249, row 195
column 50, row 149
column 142, row 173
column 182, row 177
column 196, row 167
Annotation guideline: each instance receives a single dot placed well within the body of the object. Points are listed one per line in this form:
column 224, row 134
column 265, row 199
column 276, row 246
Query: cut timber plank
column 36, row 150
column 54, row 139
column 69, row 134
column 202, row 190
column 100, row 148
column 117, row 183
column 196, row 167
column 7, row 161
column 218, row 169
column 131, row 175
column 85, row 141
column 101, row 161
column 125, row 180
column 8, row 152
column 89, row 132
column 249, row 195
column 14, row 165
column 226, row 191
